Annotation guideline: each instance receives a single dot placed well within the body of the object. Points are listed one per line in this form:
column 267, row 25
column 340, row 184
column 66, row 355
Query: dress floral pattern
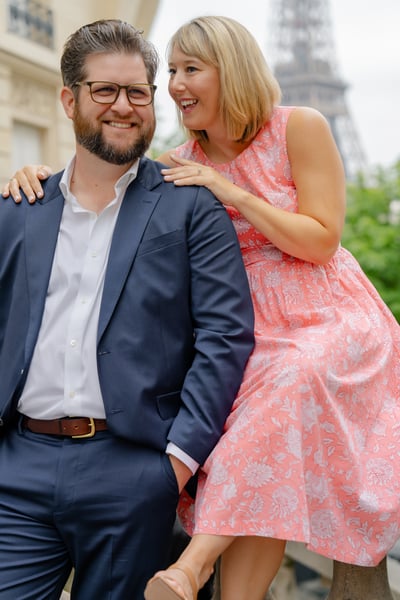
column 311, row 449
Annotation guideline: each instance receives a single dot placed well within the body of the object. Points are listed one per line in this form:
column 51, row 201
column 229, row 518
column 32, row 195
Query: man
column 125, row 326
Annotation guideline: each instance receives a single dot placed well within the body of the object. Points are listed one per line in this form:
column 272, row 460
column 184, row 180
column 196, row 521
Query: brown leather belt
column 74, row 427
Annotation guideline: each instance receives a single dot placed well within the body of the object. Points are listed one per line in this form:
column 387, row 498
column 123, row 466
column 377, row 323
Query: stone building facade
column 33, row 127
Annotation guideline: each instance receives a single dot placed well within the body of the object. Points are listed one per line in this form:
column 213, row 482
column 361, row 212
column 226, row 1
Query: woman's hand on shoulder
column 185, row 172
column 188, row 172
column 28, row 179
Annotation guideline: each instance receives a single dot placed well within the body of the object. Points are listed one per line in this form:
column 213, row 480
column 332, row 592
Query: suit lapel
column 43, row 220
column 42, row 226
column 135, row 212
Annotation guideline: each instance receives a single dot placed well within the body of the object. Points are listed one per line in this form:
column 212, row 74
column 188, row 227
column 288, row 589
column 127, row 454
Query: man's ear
column 68, row 101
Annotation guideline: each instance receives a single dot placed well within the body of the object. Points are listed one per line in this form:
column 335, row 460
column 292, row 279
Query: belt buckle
column 91, row 433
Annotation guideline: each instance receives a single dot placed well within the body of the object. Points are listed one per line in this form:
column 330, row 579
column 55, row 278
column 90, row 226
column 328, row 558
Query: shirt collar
column 120, row 186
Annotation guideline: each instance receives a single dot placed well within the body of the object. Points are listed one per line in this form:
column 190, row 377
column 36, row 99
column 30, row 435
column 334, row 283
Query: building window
column 26, row 145
column 32, row 20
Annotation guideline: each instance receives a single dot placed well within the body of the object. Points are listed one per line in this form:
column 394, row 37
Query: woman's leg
column 248, row 567
column 198, row 559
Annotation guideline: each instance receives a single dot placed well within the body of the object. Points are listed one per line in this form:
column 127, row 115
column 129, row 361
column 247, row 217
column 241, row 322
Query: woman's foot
column 176, row 583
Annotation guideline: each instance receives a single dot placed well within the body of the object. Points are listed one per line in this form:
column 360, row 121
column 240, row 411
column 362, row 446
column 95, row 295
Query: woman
column 310, row 451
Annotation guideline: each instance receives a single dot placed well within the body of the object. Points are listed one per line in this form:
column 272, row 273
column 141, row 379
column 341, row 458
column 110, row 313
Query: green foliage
column 372, row 231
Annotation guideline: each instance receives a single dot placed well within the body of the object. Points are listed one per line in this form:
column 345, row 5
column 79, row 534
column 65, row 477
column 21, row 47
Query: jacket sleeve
column 223, row 319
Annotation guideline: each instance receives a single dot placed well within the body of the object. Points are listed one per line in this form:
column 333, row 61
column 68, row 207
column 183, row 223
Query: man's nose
column 122, row 103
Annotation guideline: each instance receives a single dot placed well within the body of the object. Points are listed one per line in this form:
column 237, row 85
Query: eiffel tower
column 303, row 60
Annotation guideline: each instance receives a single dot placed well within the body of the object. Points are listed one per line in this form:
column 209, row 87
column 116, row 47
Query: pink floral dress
column 311, row 449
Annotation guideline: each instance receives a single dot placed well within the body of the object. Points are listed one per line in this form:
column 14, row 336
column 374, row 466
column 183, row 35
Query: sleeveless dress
column 311, row 449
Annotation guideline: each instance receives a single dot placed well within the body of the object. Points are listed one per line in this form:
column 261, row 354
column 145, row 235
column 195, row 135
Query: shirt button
column 72, row 343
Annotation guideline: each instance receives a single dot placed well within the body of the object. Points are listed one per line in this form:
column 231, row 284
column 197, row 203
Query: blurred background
column 341, row 56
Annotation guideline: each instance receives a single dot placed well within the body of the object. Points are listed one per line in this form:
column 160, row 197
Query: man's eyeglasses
column 107, row 92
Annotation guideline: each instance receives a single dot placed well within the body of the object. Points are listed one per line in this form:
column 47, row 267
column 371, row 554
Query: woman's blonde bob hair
column 249, row 90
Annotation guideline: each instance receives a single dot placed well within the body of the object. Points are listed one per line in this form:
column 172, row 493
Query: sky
column 366, row 51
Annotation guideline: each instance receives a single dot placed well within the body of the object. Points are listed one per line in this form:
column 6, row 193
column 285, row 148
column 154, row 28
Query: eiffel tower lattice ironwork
column 303, row 60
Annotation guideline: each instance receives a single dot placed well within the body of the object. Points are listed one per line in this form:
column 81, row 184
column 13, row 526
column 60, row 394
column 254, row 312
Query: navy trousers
column 101, row 505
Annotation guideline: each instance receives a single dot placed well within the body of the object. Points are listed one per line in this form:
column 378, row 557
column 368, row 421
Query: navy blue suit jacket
column 176, row 321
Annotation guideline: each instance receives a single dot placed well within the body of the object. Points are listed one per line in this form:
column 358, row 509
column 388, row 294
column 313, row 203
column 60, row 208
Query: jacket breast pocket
column 160, row 242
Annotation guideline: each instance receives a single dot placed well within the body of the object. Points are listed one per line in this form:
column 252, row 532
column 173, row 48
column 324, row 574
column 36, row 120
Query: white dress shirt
column 62, row 378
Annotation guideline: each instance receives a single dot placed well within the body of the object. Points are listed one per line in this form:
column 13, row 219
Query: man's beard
column 93, row 140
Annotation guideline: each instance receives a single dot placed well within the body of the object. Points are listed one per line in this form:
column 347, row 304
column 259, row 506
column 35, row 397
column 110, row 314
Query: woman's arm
column 28, row 179
column 313, row 233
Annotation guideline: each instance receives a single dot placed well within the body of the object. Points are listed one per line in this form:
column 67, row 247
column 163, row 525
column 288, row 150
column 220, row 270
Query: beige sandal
column 158, row 589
